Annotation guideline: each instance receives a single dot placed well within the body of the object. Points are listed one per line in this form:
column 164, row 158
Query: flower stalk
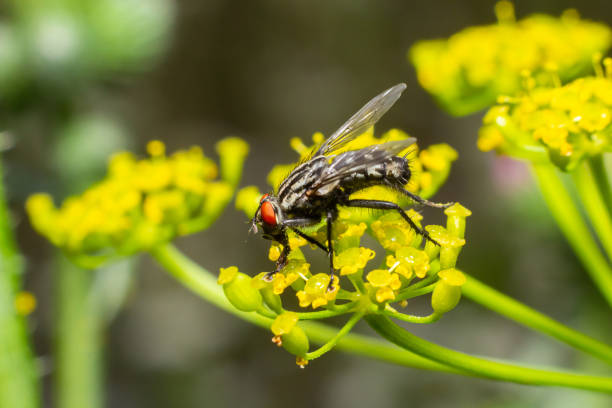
column 483, row 367
column 18, row 376
column 522, row 314
column 574, row 228
column 592, row 195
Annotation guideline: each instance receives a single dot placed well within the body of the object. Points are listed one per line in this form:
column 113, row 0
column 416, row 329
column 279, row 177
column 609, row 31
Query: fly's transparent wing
column 362, row 120
column 357, row 160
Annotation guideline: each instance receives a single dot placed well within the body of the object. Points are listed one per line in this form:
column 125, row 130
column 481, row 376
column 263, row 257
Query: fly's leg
column 282, row 260
column 309, row 239
column 387, row 205
column 330, row 248
column 283, row 239
column 422, row 200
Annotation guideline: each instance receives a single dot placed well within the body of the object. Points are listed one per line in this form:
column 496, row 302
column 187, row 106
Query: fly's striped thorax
column 299, row 180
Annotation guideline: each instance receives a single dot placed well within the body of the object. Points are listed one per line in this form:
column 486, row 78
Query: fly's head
column 270, row 216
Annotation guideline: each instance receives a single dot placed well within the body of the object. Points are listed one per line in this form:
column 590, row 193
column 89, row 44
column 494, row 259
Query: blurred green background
column 191, row 72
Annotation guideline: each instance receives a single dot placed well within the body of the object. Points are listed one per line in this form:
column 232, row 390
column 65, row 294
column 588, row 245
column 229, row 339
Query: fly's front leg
column 387, row 205
column 282, row 260
column 283, row 239
column 309, row 239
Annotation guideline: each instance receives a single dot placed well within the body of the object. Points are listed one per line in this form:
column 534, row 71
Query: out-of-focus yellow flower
column 467, row 71
column 140, row 203
column 25, row 303
column 564, row 124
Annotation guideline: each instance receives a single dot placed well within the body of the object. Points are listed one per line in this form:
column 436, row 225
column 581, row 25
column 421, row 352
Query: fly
column 317, row 187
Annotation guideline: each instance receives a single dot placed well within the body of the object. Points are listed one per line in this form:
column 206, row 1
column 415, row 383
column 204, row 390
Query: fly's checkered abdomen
column 393, row 171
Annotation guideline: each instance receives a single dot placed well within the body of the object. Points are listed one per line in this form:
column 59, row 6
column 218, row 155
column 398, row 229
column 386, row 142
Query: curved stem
column 574, row 228
column 483, row 367
column 204, row 284
column 18, row 376
column 334, row 340
column 514, row 310
column 592, row 198
column 413, row 319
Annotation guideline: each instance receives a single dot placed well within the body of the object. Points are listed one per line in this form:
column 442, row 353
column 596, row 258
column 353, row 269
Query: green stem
column 324, row 314
column 482, row 367
column 204, row 284
column 592, row 199
column 18, row 377
column 334, row 340
column 574, row 228
column 514, row 310
column 434, row 317
column 79, row 379
column 411, row 292
column 598, row 168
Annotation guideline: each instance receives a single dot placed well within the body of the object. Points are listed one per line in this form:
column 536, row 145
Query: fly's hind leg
column 421, row 200
column 330, row 249
column 387, row 205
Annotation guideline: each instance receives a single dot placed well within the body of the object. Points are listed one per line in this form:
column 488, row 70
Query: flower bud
column 238, row 290
column 293, row 337
column 455, row 222
column 232, row 152
column 247, row 200
column 271, row 299
column 447, row 292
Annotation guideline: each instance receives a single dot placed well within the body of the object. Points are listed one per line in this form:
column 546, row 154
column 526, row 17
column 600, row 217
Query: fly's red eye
column 263, row 197
column 268, row 214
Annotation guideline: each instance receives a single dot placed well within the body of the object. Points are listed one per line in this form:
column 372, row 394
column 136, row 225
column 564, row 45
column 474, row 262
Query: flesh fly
column 314, row 190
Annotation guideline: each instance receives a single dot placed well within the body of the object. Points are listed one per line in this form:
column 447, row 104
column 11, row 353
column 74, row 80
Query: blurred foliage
column 54, row 46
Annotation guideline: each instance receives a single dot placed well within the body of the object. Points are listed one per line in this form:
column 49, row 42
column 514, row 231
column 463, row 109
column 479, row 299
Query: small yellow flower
column 384, row 283
column 408, row 261
column 227, row 275
column 316, row 291
column 281, row 280
column 353, row 260
column 393, row 232
column 284, row 323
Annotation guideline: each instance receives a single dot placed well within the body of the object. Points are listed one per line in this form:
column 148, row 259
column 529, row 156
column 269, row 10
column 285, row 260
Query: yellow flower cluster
column 411, row 266
column 568, row 122
column 140, row 203
column 467, row 71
